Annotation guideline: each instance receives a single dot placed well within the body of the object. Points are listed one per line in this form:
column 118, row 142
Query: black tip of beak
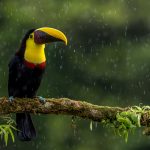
column 41, row 37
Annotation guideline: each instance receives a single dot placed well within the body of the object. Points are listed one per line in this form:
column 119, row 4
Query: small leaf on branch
column 91, row 125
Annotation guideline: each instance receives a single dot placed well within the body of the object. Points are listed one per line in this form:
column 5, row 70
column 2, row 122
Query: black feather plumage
column 23, row 82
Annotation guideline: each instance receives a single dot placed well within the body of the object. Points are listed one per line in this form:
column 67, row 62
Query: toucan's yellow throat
column 34, row 53
column 35, row 44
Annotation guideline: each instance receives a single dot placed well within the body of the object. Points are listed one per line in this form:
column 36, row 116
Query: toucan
column 26, row 70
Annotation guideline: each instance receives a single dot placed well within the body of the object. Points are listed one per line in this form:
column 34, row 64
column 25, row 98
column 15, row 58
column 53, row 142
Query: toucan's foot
column 11, row 99
column 41, row 99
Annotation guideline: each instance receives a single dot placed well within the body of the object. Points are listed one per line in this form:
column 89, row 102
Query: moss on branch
column 69, row 107
column 59, row 106
column 123, row 120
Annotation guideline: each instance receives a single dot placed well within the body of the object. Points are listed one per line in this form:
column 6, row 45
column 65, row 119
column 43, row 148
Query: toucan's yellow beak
column 46, row 35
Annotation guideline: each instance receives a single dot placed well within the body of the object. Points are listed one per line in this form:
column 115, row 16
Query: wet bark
column 65, row 106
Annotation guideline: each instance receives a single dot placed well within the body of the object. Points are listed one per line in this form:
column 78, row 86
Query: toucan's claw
column 41, row 99
column 11, row 99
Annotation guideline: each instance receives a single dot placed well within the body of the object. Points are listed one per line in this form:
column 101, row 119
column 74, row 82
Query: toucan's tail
column 26, row 130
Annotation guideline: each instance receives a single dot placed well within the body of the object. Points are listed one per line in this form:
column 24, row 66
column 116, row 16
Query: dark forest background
column 106, row 62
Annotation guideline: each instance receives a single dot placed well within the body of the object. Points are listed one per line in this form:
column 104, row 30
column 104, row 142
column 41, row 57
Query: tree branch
column 68, row 107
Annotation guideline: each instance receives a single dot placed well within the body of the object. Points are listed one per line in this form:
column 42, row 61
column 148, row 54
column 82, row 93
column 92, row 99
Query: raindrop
column 60, row 67
column 94, row 83
column 96, row 124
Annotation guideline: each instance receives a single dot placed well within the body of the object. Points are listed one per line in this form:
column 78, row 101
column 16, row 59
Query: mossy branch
column 122, row 120
column 68, row 107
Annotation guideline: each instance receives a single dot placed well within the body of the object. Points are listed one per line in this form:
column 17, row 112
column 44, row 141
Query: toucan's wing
column 14, row 66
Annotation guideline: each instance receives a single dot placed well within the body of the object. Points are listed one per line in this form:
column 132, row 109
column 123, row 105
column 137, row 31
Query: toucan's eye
column 31, row 36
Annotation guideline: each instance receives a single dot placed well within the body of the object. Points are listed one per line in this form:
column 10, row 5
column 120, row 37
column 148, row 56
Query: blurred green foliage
column 106, row 62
